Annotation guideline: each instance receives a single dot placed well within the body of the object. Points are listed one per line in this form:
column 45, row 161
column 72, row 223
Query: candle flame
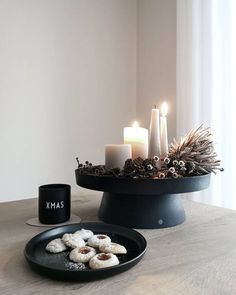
column 164, row 109
column 135, row 124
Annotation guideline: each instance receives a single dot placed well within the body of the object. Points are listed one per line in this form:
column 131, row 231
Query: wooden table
column 196, row 257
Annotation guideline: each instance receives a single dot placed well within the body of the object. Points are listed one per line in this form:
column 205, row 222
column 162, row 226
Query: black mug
column 54, row 202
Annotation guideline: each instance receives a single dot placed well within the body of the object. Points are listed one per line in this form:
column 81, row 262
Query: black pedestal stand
column 141, row 211
column 142, row 203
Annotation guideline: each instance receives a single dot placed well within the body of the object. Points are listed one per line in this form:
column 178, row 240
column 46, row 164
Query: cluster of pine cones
column 193, row 155
column 141, row 168
column 154, row 168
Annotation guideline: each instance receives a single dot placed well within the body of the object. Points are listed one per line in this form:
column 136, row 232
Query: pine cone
column 140, row 168
column 129, row 166
column 138, row 162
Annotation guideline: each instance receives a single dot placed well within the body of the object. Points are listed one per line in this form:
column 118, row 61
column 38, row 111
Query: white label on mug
column 55, row 205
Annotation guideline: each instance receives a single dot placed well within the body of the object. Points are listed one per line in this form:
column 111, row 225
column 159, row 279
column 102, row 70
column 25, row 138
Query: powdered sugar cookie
column 73, row 240
column 113, row 248
column 99, row 240
column 84, row 233
column 83, row 254
column 56, row 246
column 103, row 260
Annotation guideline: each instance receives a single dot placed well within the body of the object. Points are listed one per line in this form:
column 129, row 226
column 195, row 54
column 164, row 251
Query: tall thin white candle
column 164, row 136
column 138, row 138
column 154, row 148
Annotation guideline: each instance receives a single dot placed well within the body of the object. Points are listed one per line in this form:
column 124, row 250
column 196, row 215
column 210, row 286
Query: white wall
column 156, row 59
column 70, row 73
column 67, row 87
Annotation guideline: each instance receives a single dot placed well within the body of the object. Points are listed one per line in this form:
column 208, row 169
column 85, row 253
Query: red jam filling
column 104, row 257
column 101, row 237
column 84, row 250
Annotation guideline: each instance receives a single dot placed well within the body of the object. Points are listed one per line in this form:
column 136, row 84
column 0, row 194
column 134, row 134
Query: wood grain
column 196, row 257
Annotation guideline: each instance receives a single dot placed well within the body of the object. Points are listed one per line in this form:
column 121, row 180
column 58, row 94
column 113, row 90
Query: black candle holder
column 142, row 203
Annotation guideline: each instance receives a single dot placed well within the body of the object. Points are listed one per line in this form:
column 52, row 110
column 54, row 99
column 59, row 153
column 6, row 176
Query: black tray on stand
column 142, row 203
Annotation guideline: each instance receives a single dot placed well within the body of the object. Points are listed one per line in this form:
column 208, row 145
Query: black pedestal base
column 142, row 203
column 142, row 211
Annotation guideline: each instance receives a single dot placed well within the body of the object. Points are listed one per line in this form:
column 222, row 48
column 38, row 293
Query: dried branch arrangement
column 196, row 150
column 193, row 155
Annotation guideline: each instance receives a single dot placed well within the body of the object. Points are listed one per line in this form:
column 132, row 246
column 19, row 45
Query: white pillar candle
column 116, row 155
column 164, row 136
column 138, row 138
column 154, row 148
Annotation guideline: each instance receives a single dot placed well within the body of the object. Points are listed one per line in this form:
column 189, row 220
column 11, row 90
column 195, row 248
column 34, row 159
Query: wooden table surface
column 196, row 257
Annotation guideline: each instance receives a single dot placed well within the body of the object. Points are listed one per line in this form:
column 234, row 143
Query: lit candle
column 138, row 138
column 116, row 155
column 154, row 148
column 164, row 136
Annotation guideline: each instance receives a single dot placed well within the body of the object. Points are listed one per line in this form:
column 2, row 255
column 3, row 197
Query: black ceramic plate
column 58, row 266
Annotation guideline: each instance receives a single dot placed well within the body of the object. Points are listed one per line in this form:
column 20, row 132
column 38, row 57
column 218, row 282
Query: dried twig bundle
column 195, row 153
